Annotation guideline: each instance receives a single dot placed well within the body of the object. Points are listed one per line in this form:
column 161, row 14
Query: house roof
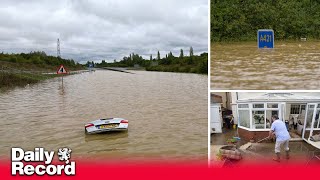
column 282, row 97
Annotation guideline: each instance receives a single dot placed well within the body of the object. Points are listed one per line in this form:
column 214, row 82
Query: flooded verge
column 291, row 65
column 167, row 114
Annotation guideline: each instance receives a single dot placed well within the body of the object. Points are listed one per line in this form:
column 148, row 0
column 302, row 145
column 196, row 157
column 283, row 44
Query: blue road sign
column 265, row 38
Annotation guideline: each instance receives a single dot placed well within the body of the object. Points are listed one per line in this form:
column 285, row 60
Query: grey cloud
column 110, row 29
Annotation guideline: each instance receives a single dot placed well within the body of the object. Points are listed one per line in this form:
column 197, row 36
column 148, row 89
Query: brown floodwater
column 167, row 115
column 289, row 66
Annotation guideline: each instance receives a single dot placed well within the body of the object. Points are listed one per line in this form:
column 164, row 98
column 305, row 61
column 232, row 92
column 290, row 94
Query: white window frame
column 300, row 107
column 251, row 109
column 248, row 109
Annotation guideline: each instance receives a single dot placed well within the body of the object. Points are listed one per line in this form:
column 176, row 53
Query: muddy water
column 167, row 115
column 291, row 65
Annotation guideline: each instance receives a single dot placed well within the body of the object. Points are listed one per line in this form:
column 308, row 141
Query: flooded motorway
column 167, row 115
column 290, row 66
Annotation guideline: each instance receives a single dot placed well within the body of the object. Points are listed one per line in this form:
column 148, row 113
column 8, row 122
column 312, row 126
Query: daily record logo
column 25, row 162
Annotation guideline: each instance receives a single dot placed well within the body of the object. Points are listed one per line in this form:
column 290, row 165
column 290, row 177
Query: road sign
column 62, row 70
column 265, row 38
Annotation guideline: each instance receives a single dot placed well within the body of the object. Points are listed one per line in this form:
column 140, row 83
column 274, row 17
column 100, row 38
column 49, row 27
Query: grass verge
column 9, row 80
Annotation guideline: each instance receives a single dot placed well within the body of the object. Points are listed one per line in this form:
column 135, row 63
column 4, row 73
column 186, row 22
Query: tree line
column 168, row 63
column 38, row 58
column 237, row 20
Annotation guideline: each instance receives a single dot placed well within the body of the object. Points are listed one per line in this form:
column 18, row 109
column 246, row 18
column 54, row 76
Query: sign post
column 265, row 38
column 62, row 70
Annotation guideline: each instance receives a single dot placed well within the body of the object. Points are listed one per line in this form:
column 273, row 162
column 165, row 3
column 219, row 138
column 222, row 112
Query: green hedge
column 239, row 20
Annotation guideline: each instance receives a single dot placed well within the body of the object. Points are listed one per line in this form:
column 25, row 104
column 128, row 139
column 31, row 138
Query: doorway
column 311, row 123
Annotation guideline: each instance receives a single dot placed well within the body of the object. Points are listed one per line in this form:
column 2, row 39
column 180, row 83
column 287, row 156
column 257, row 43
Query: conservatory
column 300, row 112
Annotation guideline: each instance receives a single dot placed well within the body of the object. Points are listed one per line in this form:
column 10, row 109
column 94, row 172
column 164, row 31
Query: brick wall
column 255, row 135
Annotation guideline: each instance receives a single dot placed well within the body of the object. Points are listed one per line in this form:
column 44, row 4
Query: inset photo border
column 270, row 127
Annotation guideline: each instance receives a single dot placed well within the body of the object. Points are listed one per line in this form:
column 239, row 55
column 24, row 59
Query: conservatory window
column 316, row 121
column 297, row 108
column 243, row 105
column 269, row 114
column 258, row 106
column 258, row 121
column 272, row 105
column 244, row 118
column 309, row 116
column 257, row 115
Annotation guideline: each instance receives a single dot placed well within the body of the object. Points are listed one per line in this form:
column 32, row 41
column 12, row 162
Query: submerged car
column 106, row 125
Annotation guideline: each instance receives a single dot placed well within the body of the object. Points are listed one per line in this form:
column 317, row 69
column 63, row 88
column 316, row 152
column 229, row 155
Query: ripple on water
column 167, row 114
column 291, row 65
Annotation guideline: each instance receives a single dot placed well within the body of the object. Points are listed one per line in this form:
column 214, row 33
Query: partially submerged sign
column 265, row 38
column 62, row 70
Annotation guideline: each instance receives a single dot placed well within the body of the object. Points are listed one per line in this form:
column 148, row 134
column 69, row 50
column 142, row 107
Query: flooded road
column 290, row 66
column 167, row 115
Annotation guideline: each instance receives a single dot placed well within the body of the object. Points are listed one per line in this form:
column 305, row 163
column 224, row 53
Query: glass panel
column 269, row 105
column 295, row 108
column 269, row 114
column 243, row 105
column 316, row 122
column 244, row 118
column 303, row 107
column 258, row 105
column 258, row 120
column 308, row 121
column 309, row 116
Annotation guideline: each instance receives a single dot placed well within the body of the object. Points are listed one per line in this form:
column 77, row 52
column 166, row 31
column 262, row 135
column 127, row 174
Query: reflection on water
column 167, row 114
column 291, row 65
column 61, row 89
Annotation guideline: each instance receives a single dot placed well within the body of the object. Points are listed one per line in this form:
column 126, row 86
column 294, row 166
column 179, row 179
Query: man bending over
column 279, row 128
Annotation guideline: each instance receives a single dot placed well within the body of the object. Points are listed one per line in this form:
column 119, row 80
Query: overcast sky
column 104, row 29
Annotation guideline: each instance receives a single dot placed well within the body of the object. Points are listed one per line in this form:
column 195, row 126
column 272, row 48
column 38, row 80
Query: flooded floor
column 300, row 151
column 167, row 115
column 290, row 66
column 221, row 138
